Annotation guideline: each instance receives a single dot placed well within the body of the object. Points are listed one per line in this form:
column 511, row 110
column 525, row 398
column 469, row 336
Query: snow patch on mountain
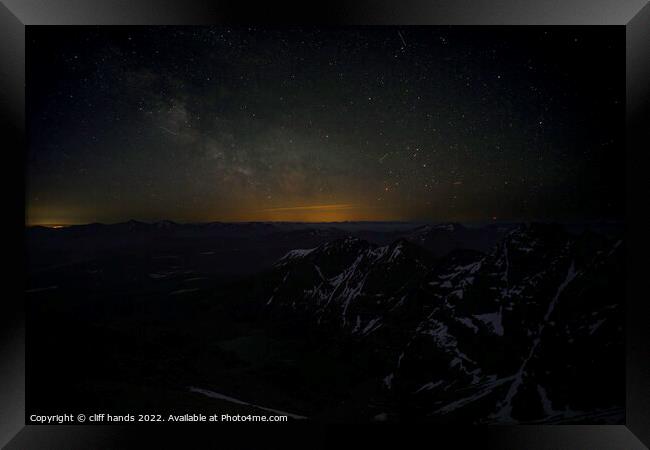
column 493, row 320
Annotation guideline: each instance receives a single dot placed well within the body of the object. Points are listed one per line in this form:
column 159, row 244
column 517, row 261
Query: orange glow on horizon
column 340, row 212
column 246, row 212
column 311, row 207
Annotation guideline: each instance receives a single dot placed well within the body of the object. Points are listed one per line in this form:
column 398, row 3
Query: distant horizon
column 398, row 222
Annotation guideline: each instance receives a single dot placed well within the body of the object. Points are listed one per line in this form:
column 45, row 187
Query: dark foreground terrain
column 334, row 322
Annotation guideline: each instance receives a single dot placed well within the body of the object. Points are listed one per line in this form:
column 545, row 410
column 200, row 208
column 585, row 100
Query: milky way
column 306, row 124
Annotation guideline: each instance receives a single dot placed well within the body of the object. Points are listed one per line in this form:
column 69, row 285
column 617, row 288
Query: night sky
column 198, row 124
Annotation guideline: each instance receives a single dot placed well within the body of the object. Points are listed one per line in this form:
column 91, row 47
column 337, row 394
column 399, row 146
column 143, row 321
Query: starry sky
column 197, row 124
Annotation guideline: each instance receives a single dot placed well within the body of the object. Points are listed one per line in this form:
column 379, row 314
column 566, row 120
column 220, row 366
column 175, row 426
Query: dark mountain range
column 345, row 321
column 529, row 331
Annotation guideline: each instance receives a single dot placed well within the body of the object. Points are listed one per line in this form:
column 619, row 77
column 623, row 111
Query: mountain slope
column 509, row 335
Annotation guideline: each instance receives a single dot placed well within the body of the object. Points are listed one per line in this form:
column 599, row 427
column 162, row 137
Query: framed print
column 415, row 218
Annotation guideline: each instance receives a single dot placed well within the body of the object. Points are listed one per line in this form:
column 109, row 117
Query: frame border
column 633, row 14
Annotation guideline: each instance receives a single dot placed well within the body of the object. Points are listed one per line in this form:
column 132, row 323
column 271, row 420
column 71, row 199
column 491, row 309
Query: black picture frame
column 634, row 15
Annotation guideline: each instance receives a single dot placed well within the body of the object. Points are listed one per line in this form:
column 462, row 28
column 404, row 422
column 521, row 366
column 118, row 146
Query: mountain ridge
column 458, row 307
